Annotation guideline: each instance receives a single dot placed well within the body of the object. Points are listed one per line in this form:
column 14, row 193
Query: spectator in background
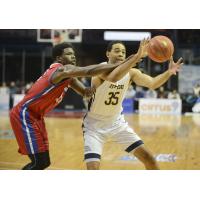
column 4, row 89
column 151, row 94
column 192, row 99
column 140, row 93
column 161, row 93
column 196, row 107
column 173, row 95
column 28, row 86
column 13, row 91
column 130, row 92
column 196, row 90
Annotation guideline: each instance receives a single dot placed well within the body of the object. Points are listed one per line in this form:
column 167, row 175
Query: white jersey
column 107, row 101
column 104, row 121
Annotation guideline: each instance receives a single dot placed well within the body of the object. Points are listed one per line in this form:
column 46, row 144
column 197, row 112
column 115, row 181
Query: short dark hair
column 58, row 49
column 110, row 44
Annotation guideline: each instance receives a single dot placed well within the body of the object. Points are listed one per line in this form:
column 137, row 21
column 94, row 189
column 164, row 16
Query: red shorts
column 29, row 131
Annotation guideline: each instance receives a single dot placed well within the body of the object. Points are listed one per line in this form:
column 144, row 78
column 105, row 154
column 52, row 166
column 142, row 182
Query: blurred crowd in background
column 134, row 92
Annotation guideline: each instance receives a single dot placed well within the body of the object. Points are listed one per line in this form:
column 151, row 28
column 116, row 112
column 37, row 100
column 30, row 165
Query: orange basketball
column 160, row 48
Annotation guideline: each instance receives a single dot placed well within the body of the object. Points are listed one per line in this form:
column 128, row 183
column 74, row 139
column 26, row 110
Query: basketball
column 160, row 49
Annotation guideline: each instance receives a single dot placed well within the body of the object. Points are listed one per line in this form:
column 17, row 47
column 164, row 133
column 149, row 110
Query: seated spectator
column 196, row 107
column 140, row 93
column 174, row 95
column 13, row 91
column 4, row 89
column 130, row 92
column 161, row 93
column 196, row 90
column 151, row 94
column 27, row 87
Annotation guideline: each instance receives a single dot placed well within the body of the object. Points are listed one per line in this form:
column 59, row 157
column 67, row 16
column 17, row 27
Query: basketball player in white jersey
column 104, row 118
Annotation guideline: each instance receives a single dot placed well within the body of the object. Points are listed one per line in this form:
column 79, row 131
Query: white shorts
column 97, row 131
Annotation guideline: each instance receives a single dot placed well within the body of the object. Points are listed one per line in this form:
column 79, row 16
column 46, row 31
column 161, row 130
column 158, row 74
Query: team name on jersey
column 118, row 87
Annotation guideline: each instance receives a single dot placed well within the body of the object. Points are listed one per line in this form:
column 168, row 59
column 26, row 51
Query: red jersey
column 44, row 95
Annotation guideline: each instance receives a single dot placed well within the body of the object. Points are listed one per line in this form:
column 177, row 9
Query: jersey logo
column 87, row 148
column 59, row 99
column 118, row 87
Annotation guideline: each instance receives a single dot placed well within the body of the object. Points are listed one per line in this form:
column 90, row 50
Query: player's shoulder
column 55, row 65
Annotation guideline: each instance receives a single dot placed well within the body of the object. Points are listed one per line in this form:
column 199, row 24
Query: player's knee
column 93, row 165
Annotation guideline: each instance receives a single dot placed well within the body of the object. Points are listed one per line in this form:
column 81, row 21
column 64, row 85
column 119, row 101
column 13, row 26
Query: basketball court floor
column 174, row 141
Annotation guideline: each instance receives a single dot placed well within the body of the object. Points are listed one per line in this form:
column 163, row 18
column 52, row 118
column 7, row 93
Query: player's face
column 117, row 53
column 68, row 57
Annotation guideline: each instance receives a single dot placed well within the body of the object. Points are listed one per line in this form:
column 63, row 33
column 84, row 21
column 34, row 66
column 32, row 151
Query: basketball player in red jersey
column 27, row 117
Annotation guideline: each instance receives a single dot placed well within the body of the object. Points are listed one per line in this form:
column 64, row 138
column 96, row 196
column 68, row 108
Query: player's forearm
column 78, row 87
column 119, row 72
column 94, row 70
column 160, row 79
column 88, row 71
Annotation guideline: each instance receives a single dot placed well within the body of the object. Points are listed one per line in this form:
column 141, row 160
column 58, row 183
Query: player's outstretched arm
column 70, row 71
column 119, row 72
column 147, row 81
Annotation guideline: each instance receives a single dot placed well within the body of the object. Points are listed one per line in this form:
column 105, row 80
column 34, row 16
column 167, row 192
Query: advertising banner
column 160, row 106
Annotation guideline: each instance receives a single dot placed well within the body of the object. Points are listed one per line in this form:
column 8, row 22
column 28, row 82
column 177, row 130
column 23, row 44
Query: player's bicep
column 74, row 72
column 68, row 71
column 56, row 77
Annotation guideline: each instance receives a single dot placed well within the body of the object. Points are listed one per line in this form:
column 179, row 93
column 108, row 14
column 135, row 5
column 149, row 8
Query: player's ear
column 107, row 54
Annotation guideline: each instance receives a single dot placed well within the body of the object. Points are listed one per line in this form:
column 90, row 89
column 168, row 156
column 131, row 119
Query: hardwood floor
column 174, row 141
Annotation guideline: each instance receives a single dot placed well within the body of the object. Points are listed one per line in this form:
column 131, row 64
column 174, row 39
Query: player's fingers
column 180, row 60
column 141, row 43
column 171, row 60
column 146, row 40
column 180, row 65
